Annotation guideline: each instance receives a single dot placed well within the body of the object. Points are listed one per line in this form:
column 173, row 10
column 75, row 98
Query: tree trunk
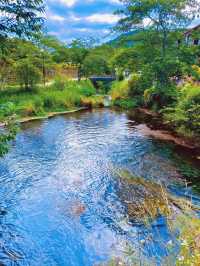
column 164, row 44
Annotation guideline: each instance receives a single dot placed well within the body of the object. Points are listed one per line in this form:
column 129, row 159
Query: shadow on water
column 58, row 192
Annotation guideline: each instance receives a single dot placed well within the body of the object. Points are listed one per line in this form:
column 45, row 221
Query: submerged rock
column 76, row 208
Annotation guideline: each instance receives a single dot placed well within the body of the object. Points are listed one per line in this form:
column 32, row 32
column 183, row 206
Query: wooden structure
column 68, row 70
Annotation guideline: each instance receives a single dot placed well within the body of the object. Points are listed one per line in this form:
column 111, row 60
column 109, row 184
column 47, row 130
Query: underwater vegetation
column 145, row 201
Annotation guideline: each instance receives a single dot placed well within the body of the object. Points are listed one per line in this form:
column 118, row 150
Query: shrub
column 186, row 114
column 160, row 97
column 134, row 85
column 39, row 105
column 60, row 82
column 126, row 103
column 102, row 88
column 196, row 72
column 7, row 109
column 72, row 98
column 27, row 109
column 48, row 101
column 93, row 101
column 87, row 88
column 119, row 90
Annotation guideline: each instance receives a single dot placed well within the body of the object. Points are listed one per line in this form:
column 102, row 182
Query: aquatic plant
column 146, row 200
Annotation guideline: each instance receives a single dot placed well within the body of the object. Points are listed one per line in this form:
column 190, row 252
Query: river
column 58, row 193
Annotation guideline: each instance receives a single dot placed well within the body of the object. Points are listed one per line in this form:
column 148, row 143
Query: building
column 192, row 36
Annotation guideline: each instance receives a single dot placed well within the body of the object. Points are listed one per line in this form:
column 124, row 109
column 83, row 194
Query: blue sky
column 70, row 19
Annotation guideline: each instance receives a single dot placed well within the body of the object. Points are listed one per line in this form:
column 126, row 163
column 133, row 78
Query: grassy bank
column 38, row 102
column 178, row 107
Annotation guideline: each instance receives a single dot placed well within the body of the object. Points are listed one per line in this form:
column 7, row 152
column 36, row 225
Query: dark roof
column 192, row 29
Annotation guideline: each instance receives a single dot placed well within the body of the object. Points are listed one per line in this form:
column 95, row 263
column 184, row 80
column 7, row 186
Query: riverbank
column 175, row 109
column 49, row 115
column 46, row 116
column 46, row 101
column 151, row 124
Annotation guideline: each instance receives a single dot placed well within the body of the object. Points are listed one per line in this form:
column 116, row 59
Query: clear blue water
column 58, row 194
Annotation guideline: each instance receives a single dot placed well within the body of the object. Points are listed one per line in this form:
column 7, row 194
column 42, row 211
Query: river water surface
column 58, row 194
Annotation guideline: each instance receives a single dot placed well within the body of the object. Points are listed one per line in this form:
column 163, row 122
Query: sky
column 72, row 19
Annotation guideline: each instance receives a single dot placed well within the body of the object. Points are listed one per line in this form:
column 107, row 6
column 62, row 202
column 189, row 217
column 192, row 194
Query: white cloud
column 115, row 2
column 103, row 18
column 68, row 3
column 55, row 18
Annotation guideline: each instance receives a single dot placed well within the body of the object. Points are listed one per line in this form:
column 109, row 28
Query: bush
column 48, row 101
column 93, row 101
column 27, row 109
column 196, row 72
column 72, row 98
column 7, row 109
column 126, row 103
column 60, row 82
column 186, row 115
column 87, row 88
column 159, row 98
column 134, row 84
column 119, row 90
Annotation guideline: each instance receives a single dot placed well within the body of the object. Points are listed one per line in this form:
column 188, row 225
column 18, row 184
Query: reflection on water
column 58, row 200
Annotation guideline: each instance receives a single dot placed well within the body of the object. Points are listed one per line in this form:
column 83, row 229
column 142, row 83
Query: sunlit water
column 58, row 191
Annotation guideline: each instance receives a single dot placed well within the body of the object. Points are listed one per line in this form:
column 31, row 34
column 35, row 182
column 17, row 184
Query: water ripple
column 58, row 200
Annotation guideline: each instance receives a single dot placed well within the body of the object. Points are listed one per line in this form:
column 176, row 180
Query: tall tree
column 17, row 17
column 20, row 17
column 163, row 16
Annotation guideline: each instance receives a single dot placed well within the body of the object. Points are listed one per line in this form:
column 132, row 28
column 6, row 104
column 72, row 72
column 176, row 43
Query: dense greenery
column 164, row 65
column 17, row 18
column 41, row 101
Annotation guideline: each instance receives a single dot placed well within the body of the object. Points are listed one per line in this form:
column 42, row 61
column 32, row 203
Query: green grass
column 40, row 101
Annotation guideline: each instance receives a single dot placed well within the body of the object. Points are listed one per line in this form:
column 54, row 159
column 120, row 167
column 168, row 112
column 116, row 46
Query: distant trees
column 95, row 65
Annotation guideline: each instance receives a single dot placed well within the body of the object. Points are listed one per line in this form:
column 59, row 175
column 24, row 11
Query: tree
column 20, row 17
column 95, row 64
column 17, row 18
column 163, row 16
column 28, row 74
column 126, row 58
